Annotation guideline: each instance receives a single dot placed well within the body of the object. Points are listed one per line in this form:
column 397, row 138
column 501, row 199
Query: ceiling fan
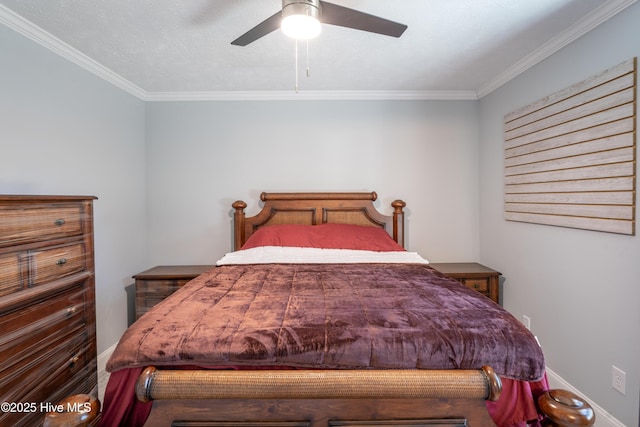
column 313, row 12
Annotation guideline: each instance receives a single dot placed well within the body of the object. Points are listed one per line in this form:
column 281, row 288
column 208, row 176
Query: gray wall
column 65, row 131
column 580, row 288
column 201, row 156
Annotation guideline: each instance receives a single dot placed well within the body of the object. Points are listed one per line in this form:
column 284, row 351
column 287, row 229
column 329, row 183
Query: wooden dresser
column 47, row 304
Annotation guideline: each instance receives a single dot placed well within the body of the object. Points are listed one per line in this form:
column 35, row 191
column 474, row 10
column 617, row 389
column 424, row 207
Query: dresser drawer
column 44, row 373
column 53, row 263
column 53, row 364
column 29, row 330
column 480, row 285
column 151, row 292
column 475, row 276
column 34, row 224
column 44, row 346
column 159, row 289
column 12, row 274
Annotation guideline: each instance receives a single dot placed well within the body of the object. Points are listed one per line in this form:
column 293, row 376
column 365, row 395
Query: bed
column 290, row 330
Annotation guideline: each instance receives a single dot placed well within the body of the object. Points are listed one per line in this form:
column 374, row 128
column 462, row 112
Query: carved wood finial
column 78, row 410
column 239, row 205
column 398, row 205
column 564, row 409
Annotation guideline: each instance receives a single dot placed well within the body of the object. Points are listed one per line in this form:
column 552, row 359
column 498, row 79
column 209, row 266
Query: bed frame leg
column 565, row 409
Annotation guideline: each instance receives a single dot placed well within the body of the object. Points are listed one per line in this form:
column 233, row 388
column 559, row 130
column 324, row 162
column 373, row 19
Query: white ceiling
column 181, row 48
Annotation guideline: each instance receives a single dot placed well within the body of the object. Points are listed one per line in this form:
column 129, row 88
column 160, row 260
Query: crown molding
column 49, row 41
column 583, row 26
column 330, row 95
column 44, row 38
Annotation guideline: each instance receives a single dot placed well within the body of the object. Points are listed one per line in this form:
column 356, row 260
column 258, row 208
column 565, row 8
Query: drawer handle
column 72, row 310
column 74, row 360
column 476, row 286
column 61, row 261
column 59, row 222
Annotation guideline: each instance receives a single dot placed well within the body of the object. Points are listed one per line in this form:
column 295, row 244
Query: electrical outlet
column 618, row 379
column 527, row 321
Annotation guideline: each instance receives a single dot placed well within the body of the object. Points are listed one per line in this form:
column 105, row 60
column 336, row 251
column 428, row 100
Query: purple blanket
column 334, row 316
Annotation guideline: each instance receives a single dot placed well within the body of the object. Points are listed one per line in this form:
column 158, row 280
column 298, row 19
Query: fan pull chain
column 296, row 66
column 308, row 69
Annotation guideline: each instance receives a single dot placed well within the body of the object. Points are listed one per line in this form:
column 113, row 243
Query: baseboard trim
column 603, row 418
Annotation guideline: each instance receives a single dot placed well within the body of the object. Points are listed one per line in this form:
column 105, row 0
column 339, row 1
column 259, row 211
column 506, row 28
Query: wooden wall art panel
column 570, row 157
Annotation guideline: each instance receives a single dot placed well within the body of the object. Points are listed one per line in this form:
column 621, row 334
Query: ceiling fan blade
column 350, row 18
column 262, row 29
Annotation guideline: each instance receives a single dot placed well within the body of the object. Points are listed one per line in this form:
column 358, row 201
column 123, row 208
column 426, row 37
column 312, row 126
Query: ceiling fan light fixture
column 300, row 19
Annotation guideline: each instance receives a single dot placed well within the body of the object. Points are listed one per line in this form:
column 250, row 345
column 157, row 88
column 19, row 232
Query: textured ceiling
column 183, row 46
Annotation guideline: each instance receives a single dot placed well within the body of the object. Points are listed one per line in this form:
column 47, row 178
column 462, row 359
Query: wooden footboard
column 318, row 397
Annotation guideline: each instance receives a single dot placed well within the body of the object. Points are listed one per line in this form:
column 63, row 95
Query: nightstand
column 157, row 283
column 475, row 276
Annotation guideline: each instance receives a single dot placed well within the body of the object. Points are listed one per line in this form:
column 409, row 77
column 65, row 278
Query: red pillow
column 326, row 236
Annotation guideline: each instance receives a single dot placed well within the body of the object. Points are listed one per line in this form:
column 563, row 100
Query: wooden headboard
column 318, row 208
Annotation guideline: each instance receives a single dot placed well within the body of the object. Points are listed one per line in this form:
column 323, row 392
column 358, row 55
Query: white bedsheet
column 295, row 255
